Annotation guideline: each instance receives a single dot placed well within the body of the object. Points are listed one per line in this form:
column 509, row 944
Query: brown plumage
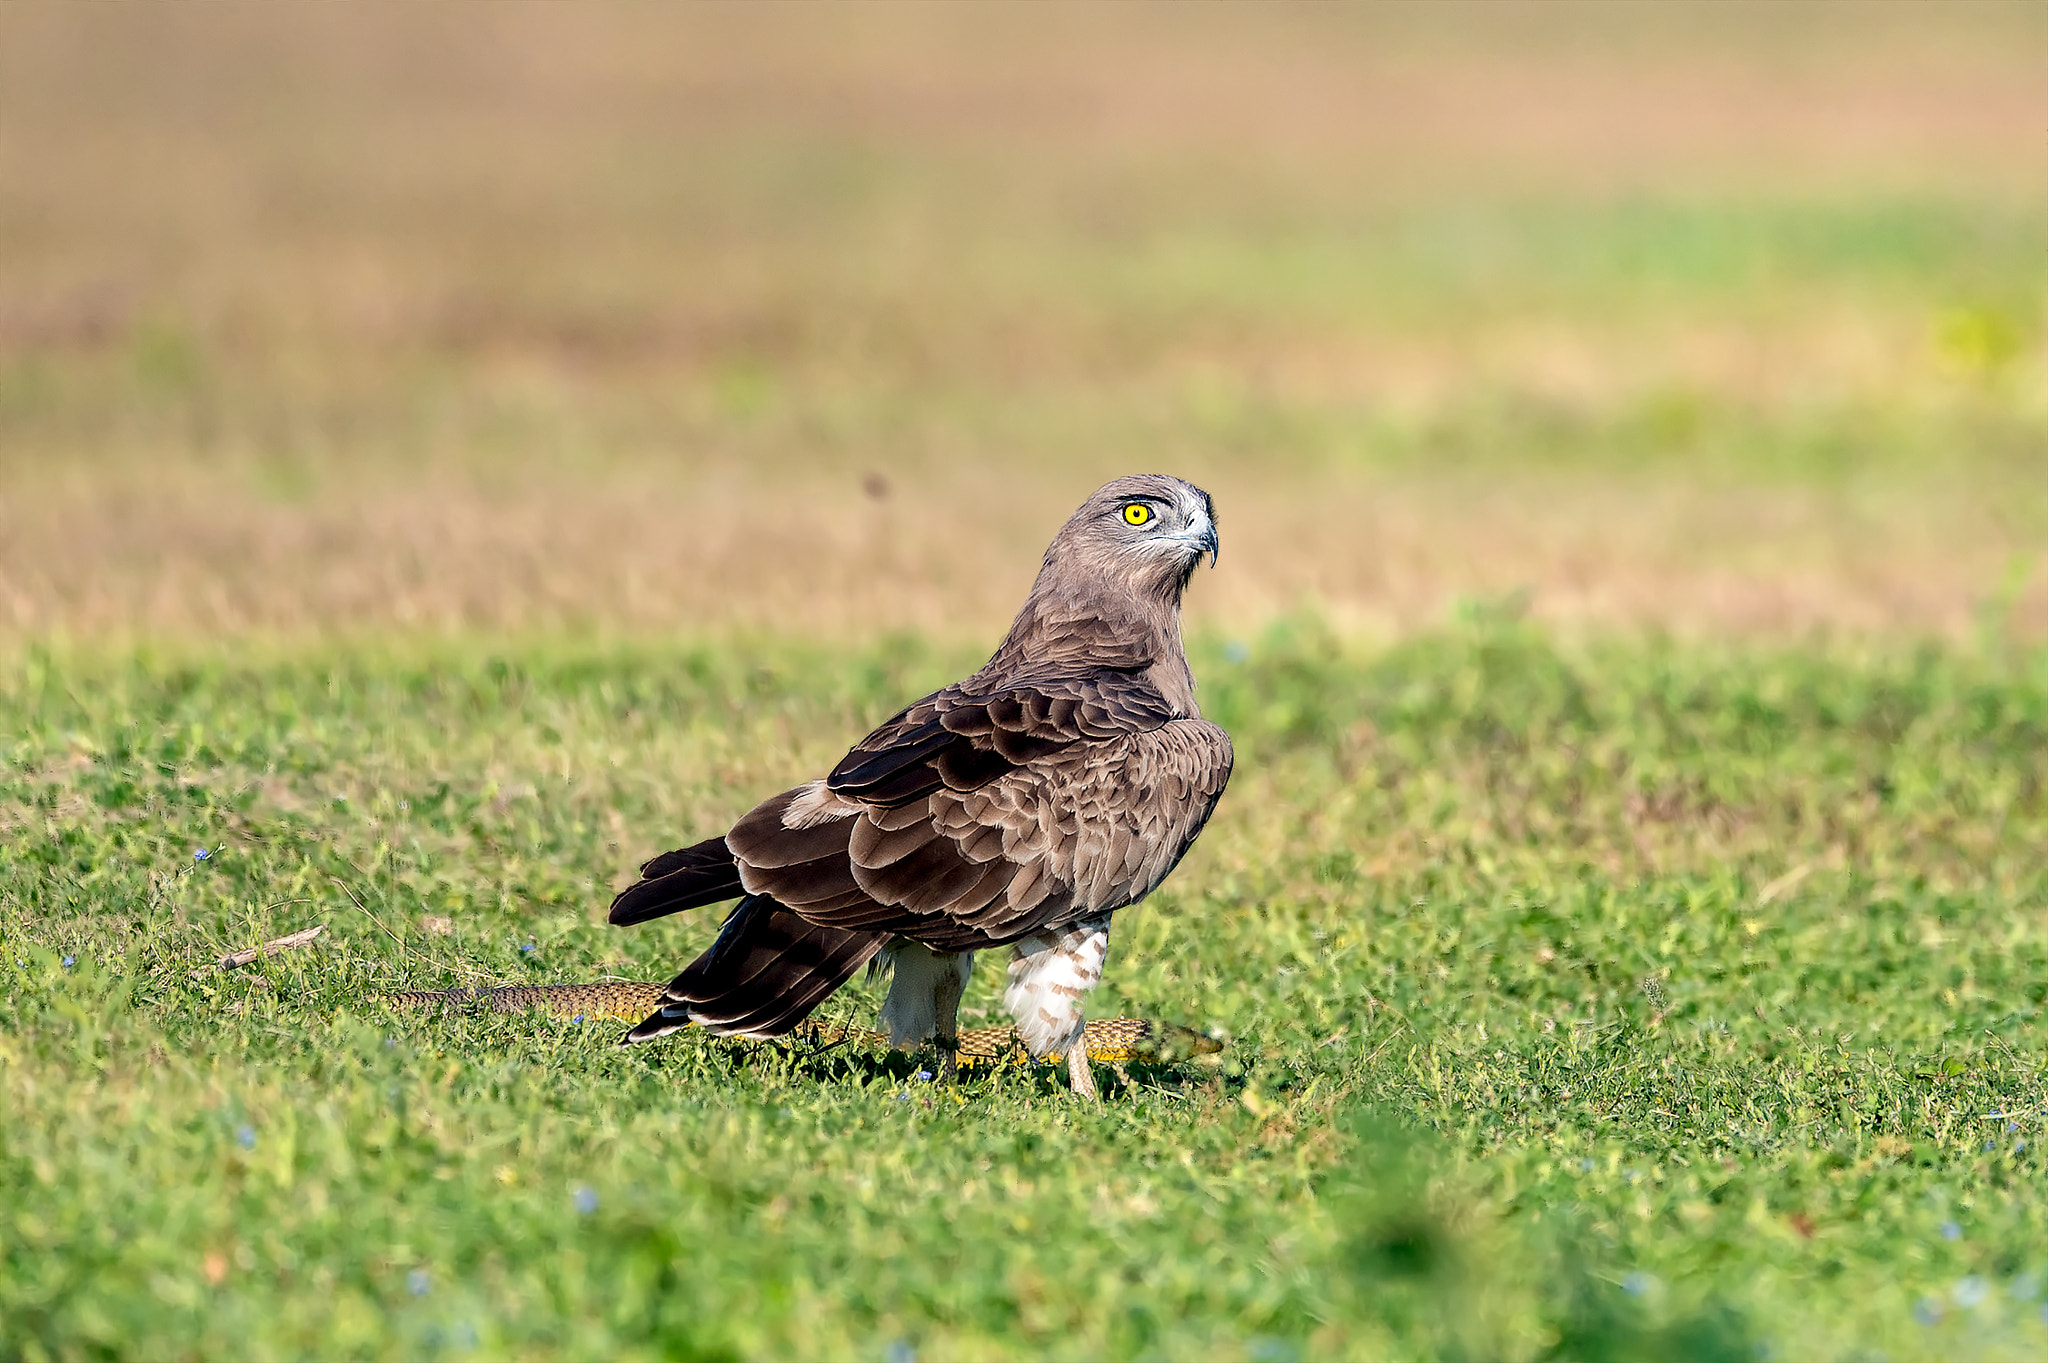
column 1024, row 805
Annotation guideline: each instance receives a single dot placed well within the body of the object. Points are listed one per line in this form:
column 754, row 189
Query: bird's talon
column 1080, row 1077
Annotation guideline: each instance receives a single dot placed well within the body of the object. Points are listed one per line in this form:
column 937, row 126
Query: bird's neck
column 1063, row 628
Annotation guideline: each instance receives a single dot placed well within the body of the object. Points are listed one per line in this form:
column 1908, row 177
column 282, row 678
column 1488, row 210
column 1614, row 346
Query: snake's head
column 1169, row 1041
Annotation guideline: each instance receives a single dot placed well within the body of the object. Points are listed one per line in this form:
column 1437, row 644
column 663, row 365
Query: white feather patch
column 1049, row 975
column 910, row 1014
column 815, row 804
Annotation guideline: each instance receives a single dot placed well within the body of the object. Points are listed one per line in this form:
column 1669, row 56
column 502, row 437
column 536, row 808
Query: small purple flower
column 1951, row 1231
column 925, row 1075
column 577, row 1018
column 903, row 1097
column 417, row 1282
column 245, row 1136
column 70, row 961
column 1927, row 1311
column 585, row 1198
column 201, row 854
column 528, row 949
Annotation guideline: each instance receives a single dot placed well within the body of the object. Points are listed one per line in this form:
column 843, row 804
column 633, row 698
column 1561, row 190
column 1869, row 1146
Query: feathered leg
column 1049, row 975
column 924, row 999
column 946, row 996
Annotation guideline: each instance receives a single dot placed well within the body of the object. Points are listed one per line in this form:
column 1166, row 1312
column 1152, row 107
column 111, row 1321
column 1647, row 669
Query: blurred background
column 1712, row 317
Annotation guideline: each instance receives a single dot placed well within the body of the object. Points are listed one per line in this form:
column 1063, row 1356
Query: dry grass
column 824, row 556
column 1711, row 318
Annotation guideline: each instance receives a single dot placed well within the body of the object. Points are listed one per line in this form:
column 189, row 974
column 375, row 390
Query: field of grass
column 445, row 461
column 1616, row 1002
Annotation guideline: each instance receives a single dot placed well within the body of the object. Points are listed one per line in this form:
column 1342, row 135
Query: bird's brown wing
column 687, row 878
column 962, row 741
column 969, row 821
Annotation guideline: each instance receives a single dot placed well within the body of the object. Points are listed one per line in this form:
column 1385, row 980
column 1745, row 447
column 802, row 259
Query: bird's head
column 1109, row 592
column 1145, row 533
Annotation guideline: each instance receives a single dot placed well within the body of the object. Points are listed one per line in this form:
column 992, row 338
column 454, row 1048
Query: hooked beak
column 1201, row 538
column 1206, row 541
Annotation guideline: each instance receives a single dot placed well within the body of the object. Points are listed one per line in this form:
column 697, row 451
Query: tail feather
column 671, row 1018
column 687, row 878
column 765, row 974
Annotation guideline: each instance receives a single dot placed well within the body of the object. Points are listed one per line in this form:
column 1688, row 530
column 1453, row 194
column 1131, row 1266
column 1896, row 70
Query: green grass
column 1591, row 995
column 1609, row 999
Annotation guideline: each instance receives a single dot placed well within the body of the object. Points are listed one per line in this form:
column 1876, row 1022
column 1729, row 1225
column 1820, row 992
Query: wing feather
column 763, row 838
column 982, row 842
column 687, row 878
column 925, row 882
column 969, row 821
column 873, row 847
column 823, row 886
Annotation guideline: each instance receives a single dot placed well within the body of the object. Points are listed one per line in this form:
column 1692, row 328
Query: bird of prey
column 1021, row 807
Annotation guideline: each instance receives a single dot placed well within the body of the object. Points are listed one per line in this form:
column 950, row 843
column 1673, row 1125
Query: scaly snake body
column 1110, row 1041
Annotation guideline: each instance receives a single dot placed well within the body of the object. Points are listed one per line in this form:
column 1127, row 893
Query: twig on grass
column 273, row 947
column 1783, row 884
column 276, row 945
column 1384, row 1044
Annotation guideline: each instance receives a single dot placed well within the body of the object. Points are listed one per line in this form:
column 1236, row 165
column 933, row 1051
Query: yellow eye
column 1137, row 513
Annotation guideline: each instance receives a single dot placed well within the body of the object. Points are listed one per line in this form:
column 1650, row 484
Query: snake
column 1109, row 1041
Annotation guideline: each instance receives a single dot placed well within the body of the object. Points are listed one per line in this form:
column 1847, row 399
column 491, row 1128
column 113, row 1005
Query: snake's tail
column 623, row 999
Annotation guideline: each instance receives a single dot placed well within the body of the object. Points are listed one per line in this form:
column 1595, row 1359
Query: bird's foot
column 948, row 1067
column 1080, row 1077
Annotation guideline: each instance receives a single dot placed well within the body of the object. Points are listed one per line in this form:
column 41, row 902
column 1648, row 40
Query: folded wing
column 970, row 821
